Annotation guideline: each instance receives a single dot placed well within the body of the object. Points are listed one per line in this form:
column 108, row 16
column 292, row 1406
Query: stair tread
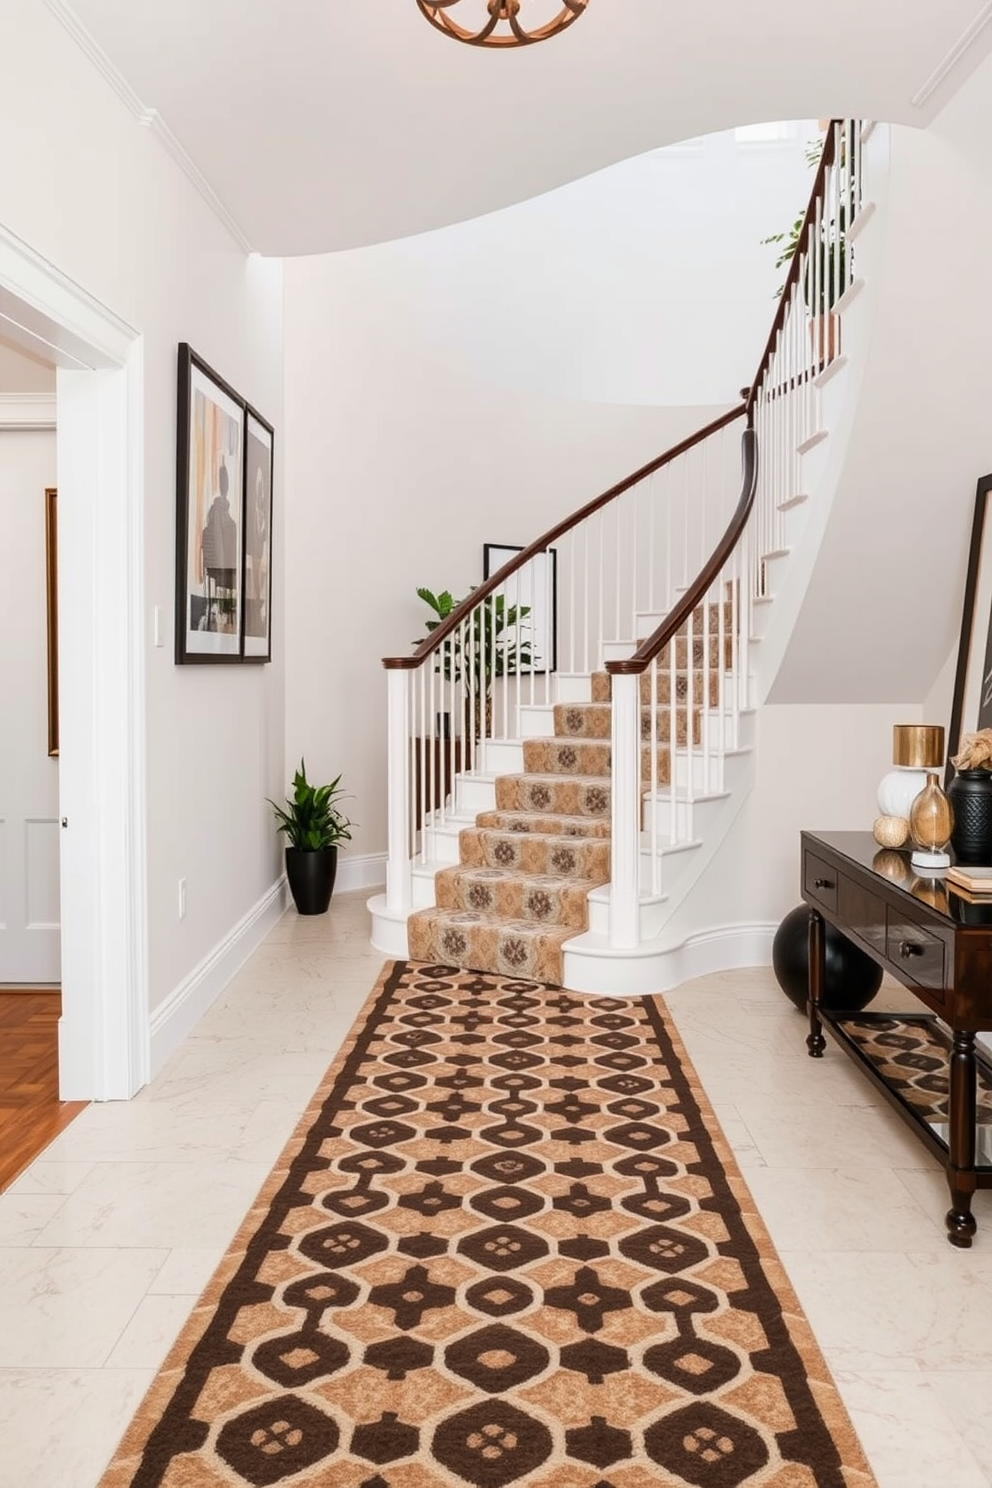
column 573, row 828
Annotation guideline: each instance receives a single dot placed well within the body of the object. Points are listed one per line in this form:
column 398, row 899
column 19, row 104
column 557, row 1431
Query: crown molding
column 22, row 412
column 149, row 118
column 953, row 56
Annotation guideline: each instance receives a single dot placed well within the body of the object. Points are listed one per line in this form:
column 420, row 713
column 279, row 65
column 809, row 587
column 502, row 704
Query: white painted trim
column 953, row 55
column 149, row 118
column 367, row 871
column 103, row 1031
column 58, row 314
column 197, row 179
column 178, row 1014
column 655, row 966
column 24, row 412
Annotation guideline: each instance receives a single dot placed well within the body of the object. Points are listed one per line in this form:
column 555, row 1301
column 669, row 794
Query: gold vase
column 931, row 822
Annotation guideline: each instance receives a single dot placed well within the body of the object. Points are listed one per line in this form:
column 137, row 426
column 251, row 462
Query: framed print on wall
column 972, row 706
column 535, row 586
column 257, row 585
column 210, row 454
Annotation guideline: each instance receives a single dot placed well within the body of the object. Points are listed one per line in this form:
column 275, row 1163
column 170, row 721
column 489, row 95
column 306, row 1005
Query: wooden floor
column 31, row 1113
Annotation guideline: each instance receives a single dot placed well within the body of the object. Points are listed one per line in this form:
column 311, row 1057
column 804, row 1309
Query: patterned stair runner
column 520, row 888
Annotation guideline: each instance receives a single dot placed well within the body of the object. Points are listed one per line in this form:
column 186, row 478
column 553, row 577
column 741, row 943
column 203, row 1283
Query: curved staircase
column 587, row 815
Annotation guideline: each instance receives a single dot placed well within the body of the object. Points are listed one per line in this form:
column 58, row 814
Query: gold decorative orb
column 890, row 831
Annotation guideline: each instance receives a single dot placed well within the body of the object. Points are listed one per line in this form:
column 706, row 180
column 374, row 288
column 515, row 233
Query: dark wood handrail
column 805, row 233
column 441, row 632
column 648, row 650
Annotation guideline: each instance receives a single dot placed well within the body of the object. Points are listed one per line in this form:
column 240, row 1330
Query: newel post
column 625, row 882
column 398, row 866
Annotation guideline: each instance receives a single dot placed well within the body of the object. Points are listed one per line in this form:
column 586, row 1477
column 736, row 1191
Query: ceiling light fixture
column 497, row 23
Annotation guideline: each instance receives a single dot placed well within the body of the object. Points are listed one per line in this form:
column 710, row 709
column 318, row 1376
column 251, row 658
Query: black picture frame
column 530, row 587
column 210, row 453
column 971, row 708
column 257, row 509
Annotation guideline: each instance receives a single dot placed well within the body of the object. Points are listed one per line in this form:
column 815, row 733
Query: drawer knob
column 823, row 883
column 910, row 948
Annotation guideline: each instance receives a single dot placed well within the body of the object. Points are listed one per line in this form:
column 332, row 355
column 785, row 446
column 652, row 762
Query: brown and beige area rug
column 507, row 1245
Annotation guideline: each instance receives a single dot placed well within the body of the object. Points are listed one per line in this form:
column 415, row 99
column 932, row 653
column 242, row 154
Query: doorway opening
column 103, row 1044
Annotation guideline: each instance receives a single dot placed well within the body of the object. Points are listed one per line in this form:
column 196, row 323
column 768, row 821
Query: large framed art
column 257, row 586
column 210, row 474
column 972, row 705
column 534, row 587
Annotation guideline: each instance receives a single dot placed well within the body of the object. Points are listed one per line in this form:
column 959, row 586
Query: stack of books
column 970, row 882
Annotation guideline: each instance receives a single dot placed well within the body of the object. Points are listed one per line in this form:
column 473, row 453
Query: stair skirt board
column 642, row 971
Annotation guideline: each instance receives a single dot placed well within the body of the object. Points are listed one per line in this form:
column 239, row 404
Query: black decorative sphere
column 851, row 979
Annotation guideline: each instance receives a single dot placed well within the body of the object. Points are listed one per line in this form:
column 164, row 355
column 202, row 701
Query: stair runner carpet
column 520, row 889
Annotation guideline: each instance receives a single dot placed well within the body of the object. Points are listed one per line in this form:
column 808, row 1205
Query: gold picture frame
column 52, row 596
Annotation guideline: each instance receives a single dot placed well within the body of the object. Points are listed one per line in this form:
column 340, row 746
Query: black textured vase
column 311, row 877
column 970, row 794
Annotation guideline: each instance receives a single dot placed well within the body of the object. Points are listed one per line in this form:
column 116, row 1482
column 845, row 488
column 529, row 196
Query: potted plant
column 494, row 642
column 314, row 827
column 826, row 264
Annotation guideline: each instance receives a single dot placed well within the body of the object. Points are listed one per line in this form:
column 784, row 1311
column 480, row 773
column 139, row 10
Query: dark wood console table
column 938, row 944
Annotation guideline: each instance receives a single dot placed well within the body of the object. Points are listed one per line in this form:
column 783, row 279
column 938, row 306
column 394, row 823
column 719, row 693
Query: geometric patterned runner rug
column 507, row 1245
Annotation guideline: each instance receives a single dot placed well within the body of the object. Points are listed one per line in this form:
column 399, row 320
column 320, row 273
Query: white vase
column 898, row 790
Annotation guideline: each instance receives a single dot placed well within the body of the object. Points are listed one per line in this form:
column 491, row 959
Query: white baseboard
column 178, row 1014
column 367, row 871
column 592, row 965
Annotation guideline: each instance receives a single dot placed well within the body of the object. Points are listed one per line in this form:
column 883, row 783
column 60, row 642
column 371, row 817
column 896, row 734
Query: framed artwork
column 210, row 475
column 52, row 606
column 972, row 705
column 536, row 587
column 257, row 525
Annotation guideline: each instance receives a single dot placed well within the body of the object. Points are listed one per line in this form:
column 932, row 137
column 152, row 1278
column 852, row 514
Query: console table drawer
column 820, row 880
column 917, row 954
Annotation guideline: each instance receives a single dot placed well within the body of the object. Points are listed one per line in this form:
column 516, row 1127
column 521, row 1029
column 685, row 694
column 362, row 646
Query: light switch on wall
column 157, row 628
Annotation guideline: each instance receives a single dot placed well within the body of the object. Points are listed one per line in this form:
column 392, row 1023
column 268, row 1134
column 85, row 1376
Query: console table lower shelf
column 908, row 1055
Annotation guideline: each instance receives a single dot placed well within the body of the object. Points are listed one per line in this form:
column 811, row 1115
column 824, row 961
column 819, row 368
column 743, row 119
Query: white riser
column 504, row 756
column 618, row 650
column 651, row 917
column 474, row 793
column 692, row 818
column 573, row 687
column 537, row 720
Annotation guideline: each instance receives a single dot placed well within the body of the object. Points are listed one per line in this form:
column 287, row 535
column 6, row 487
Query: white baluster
column 626, row 796
column 398, row 877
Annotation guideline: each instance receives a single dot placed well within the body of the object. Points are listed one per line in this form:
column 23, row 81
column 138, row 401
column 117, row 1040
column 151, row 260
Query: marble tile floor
column 108, row 1237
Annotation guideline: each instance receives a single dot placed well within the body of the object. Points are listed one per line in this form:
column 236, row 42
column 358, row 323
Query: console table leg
column 815, row 1042
column 961, row 1140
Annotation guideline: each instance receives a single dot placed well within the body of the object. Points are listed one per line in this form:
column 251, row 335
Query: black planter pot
column 970, row 793
column 311, row 877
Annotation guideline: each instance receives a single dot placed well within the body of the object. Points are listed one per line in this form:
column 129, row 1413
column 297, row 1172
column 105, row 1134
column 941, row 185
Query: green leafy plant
column 312, row 821
column 493, row 642
column 819, row 288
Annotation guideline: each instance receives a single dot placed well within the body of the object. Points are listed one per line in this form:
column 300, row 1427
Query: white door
column 29, row 775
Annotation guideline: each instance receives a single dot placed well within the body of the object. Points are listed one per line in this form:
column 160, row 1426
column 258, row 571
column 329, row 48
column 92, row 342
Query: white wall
column 400, row 467
column 94, row 192
column 645, row 283
column 817, row 769
column 892, row 563
column 478, row 383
